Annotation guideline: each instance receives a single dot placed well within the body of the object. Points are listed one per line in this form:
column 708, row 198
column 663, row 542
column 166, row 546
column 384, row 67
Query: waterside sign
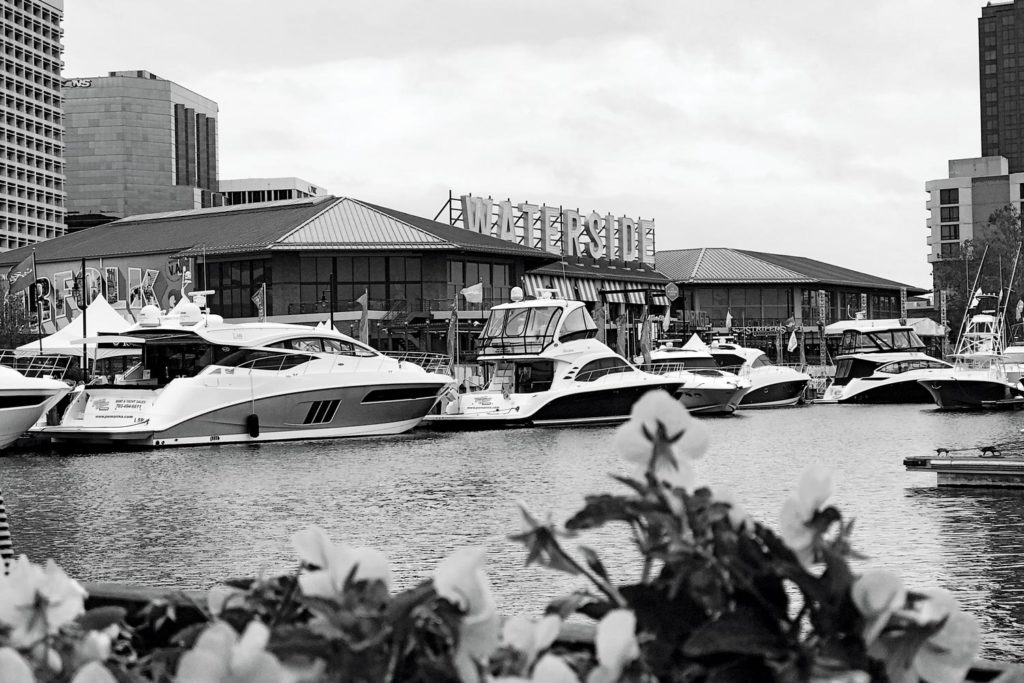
column 560, row 231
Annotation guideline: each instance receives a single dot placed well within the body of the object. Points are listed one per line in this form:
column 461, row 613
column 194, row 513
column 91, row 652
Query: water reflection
column 186, row 517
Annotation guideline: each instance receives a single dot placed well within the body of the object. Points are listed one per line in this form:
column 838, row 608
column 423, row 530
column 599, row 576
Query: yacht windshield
column 871, row 341
column 519, row 330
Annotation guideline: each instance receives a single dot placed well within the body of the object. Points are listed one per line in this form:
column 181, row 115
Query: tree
column 14, row 322
column 1002, row 238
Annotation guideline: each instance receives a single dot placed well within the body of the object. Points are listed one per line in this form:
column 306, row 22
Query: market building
column 316, row 256
column 762, row 298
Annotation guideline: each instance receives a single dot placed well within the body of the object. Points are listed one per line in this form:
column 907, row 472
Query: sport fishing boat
column 771, row 385
column 24, row 401
column 880, row 361
column 986, row 373
column 202, row 381
column 544, row 366
column 706, row 388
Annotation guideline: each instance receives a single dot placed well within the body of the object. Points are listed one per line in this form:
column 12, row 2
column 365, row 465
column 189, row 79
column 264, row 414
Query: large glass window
column 389, row 281
column 234, row 283
column 495, row 277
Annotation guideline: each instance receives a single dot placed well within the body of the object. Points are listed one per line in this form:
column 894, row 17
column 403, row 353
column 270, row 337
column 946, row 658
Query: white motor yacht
column 203, row 381
column 771, row 385
column 880, row 361
column 24, row 401
column 544, row 366
column 986, row 373
column 706, row 388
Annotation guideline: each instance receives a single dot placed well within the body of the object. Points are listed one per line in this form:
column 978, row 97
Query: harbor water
column 184, row 518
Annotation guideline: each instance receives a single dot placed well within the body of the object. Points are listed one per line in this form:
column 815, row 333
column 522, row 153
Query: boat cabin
column 880, row 340
column 529, row 327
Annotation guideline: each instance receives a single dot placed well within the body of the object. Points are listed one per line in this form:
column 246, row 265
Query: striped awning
column 587, row 289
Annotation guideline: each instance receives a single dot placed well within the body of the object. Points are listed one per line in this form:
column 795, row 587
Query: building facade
column 32, row 172
column 959, row 206
column 762, row 298
column 254, row 190
column 137, row 144
column 1001, row 74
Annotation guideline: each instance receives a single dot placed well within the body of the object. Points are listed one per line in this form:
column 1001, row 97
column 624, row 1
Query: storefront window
column 234, row 283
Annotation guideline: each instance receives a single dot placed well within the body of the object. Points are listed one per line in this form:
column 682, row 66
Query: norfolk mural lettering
column 560, row 231
column 128, row 284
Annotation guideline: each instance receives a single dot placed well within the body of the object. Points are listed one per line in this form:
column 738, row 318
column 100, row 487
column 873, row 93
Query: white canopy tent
column 100, row 318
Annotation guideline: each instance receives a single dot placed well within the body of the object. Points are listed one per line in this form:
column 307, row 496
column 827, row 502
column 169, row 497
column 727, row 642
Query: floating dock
column 989, row 466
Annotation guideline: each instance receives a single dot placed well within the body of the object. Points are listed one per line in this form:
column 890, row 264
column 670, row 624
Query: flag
column 645, row 340
column 601, row 320
column 364, row 323
column 1020, row 308
column 453, row 334
column 728, row 320
column 260, row 299
column 791, row 346
column 473, row 294
column 23, row 275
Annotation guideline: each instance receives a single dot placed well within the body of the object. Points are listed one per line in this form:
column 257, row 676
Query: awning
column 588, row 289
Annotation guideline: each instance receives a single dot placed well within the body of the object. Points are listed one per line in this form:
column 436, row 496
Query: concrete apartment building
column 959, row 206
column 137, row 144
column 31, row 167
column 1001, row 74
column 255, row 190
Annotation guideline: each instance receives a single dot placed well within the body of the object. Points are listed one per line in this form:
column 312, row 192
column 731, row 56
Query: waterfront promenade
column 185, row 518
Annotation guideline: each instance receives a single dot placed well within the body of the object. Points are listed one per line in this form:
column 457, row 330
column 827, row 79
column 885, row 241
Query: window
column 1009, row 63
column 949, row 250
column 949, row 232
column 950, row 196
column 234, row 283
column 578, row 325
column 950, row 213
column 1007, row 20
column 990, row 55
column 990, row 68
column 599, row 368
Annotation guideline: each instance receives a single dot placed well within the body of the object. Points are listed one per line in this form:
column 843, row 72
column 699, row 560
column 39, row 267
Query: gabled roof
column 312, row 223
column 716, row 265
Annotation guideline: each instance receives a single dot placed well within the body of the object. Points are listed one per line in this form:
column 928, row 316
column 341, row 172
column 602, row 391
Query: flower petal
column 93, row 672
column 372, row 565
column 877, row 593
column 948, row 654
column 201, row 666
column 313, row 546
column 457, row 577
column 616, row 642
column 546, row 631
column 814, row 489
column 250, row 645
column 518, row 634
column 552, row 669
column 13, row 667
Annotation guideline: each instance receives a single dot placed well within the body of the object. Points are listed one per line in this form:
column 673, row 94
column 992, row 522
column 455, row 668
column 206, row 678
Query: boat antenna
column 970, row 295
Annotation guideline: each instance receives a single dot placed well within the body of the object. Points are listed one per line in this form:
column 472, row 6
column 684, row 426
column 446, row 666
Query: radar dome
column 516, row 294
column 214, row 319
column 189, row 313
column 149, row 316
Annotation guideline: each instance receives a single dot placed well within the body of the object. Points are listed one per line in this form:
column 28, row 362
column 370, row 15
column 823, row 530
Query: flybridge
column 558, row 230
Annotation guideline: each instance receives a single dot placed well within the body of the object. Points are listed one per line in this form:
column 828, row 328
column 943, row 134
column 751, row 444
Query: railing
column 36, row 366
column 431, row 362
column 592, row 375
column 494, row 346
column 348, row 306
column 664, row 368
column 284, row 362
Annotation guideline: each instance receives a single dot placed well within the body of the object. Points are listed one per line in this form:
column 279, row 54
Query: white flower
column 93, row 672
column 812, row 492
column 877, row 594
column 531, row 638
column 552, row 669
column 13, row 667
column 460, row 579
column 689, row 437
column 739, row 518
column 335, row 563
column 35, row 601
column 220, row 656
column 616, row 645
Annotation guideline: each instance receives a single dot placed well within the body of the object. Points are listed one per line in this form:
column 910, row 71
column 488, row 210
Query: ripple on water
column 186, row 517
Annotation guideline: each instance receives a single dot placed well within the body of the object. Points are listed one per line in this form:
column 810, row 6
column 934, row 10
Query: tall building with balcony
column 137, row 144
column 959, row 206
column 31, row 167
column 1001, row 73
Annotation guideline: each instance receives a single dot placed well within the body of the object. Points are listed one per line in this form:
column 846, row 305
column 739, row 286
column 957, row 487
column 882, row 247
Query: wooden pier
column 989, row 467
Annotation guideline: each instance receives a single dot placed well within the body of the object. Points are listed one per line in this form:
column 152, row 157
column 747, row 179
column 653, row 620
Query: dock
column 989, row 466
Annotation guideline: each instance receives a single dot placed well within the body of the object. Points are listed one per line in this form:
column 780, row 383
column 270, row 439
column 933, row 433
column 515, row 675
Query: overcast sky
column 803, row 128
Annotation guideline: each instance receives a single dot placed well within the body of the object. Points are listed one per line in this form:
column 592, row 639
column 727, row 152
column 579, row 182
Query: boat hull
column 775, row 394
column 20, row 409
column 579, row 407
column 326, row 413
column 969, row 394
column 709, row 400
column 910, row 391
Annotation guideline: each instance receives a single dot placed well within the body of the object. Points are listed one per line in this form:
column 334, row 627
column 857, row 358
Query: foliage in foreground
column 718, row 597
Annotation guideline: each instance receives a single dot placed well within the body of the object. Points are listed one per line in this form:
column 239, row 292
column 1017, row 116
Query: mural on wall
column 129, row 283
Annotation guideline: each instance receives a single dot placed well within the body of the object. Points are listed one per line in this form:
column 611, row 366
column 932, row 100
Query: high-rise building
column 255, row 190
column 137, row 144
column 1001, row 73
column 32, row 167
column 959, row 207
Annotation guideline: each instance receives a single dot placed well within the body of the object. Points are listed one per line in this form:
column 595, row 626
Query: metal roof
column 631, row 271
column 313, row 223
column 716, row 265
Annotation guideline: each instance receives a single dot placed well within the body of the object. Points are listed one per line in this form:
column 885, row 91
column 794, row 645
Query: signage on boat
column 567, row 232
column 109, row 409
column 671, row 291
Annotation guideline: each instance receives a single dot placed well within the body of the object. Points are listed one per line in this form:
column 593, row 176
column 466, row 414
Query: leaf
column 593, row 561
column 745, row 631
column 666, row 622
column 599, row 510
column 100, row 618
column 568, row 605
